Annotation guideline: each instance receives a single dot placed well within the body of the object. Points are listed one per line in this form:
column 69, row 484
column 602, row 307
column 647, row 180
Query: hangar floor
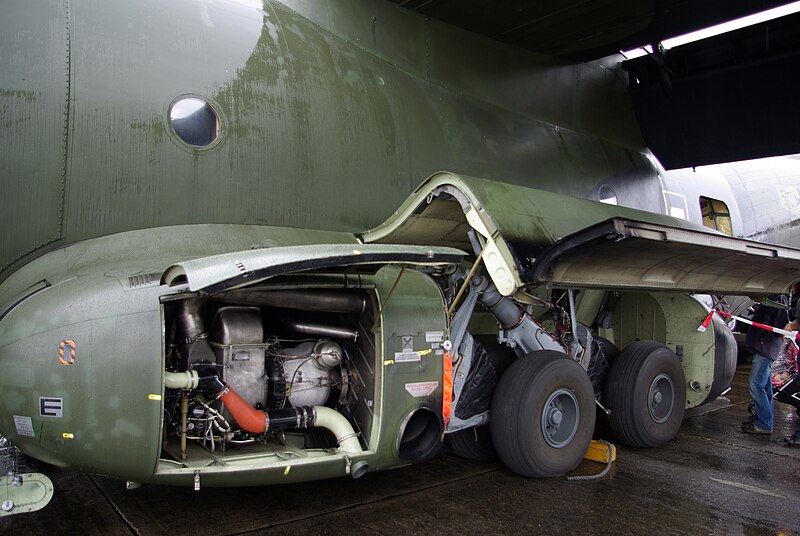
column 712, row 479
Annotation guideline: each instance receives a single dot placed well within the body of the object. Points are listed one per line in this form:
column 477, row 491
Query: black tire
column 646, row 394
column 603, row 354
column 543, row 415
column 500, row 356
column 472, row 444
column 751, row 409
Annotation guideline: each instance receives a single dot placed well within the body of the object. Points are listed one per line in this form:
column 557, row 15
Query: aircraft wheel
column 646, row 394
column 472, row 444
column 543, row 415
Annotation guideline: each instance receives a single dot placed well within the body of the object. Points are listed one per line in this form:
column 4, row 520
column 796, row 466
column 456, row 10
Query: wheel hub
column 556, row 417
column 560, row 418
column 661, row 398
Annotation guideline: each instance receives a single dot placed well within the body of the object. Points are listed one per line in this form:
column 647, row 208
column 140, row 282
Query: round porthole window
column 607, row 195
column 194, row 121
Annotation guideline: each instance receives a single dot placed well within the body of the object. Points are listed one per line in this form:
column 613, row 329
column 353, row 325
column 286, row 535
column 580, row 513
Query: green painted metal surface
column 517, row 223
column 247, row 267
column 414, row 310
column 329, row 116
column 329, row 113
column 23, row 493
column 673, row 319
column 34, row 108
column 101, row 314
column 521, row 212
column 534, row 237
column 102, row 300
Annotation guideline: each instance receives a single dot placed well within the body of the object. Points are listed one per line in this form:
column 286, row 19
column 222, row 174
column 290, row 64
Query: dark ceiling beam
column 584, row 30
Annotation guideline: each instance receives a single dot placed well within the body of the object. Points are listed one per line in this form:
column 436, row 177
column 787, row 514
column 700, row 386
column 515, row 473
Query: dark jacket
column 763, row 342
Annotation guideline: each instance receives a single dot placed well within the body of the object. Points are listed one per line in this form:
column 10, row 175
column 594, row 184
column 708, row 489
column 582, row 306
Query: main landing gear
column 543, row 415
column 543, row 410
column 646, row 393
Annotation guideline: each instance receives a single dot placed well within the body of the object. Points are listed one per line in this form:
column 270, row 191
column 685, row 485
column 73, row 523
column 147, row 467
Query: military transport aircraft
column 222, row 264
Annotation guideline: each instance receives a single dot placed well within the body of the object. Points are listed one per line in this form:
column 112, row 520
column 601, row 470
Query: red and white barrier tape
column 790, row 334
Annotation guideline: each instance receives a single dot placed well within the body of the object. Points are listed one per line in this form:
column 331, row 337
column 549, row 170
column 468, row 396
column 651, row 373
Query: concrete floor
column 712, row 479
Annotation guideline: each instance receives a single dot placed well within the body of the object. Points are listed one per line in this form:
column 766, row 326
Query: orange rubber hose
column 246, row 416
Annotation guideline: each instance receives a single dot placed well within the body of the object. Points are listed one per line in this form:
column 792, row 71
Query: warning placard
column 434, row 336
column 24, row 426
column 406, row 357
column 420, row 389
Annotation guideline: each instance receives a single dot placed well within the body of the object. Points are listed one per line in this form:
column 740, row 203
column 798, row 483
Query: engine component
column 184, row 421
column 237, row 325
column 298, row 417
column 258, row 422
column 309, row 328
column 307, row 371
column 247, row 374
column 237, row 337
column 194, row 346
column 203, row 421
column 276, row 382
column 326, row 301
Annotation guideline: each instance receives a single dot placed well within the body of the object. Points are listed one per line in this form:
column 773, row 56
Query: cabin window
column 607, row 195
column 194, row 121
column 676, row 205
column 716, row 215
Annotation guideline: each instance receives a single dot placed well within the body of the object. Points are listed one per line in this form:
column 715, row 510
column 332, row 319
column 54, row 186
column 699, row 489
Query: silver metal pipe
column 322, row 301
column 193, row 340
column 309, row 328
column 190, row 319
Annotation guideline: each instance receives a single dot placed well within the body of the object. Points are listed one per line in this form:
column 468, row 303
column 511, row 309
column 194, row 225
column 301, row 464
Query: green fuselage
column 326, row 116
column 330, row 114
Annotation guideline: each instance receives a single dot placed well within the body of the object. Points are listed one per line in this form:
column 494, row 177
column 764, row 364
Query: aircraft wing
column 531, row 237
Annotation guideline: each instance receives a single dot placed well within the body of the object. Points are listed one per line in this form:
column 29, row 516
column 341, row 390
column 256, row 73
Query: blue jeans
column 761, row 391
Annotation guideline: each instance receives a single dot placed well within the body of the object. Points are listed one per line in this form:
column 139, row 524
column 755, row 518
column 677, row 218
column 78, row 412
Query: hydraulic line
column 184, row 415
column 517, row 325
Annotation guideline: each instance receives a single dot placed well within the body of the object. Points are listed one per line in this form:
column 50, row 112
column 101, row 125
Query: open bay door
column 229, row 271
column 532, row 237
column 601, row 281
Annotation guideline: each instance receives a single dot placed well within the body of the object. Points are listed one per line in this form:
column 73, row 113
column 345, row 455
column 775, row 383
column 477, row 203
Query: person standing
column 794, row 439
column 765, row 346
